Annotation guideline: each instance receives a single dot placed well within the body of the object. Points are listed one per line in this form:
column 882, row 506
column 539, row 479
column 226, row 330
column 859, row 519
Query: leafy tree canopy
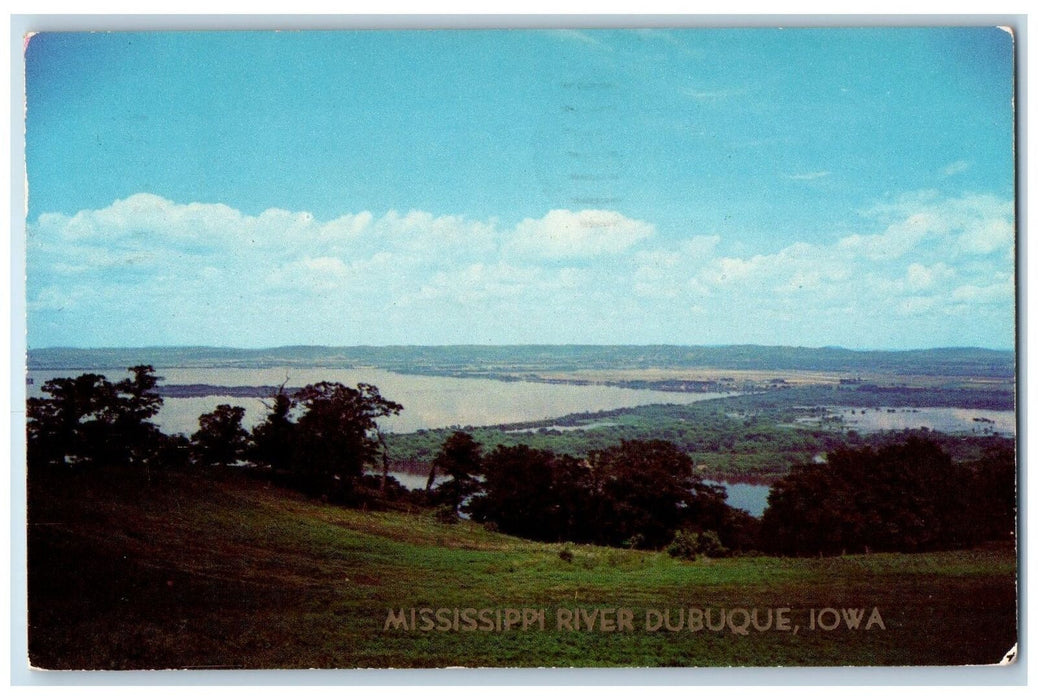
column 89, row 421
column 907, row 497
column 461, row 459
column 335, row 437
column 220, row 440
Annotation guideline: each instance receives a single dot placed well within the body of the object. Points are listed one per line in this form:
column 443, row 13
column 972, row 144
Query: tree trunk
column 385, row 463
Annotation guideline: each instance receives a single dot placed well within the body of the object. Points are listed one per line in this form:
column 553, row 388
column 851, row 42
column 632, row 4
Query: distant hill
column 463, row 360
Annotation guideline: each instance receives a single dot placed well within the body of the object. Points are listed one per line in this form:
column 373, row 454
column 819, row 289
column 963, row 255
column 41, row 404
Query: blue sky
column 849, row 187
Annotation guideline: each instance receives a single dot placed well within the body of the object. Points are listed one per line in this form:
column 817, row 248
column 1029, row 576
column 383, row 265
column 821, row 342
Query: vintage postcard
column 521, row 348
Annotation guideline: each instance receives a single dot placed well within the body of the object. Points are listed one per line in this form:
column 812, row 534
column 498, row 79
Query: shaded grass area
column 233, row 573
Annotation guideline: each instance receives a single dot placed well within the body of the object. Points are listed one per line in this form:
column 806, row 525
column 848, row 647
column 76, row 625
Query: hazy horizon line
column 516, row 345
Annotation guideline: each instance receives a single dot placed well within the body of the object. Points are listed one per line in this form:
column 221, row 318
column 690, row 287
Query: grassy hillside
column 234, row 573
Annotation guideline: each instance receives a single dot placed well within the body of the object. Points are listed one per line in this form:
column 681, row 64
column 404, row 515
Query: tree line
column 319, row 439
column 324, row 439
column 635, row 494
column 905, row 497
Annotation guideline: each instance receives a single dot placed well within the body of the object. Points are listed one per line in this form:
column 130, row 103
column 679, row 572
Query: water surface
column 946, row 420
column 429, row 402
column 749, row 497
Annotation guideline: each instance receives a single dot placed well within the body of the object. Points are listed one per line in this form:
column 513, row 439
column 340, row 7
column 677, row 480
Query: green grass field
column 234, row 573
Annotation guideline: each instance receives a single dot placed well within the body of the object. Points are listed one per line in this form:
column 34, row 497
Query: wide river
column 429, row 402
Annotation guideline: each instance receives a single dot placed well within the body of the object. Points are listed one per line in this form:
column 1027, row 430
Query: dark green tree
column 645, row 490
column 993, row 495
column 139, row 399
column 136, row 404
column 274, row 440
column 522, row 494
column 634, row 494
column 906, row 497
column 220, row 440
column 336, row 436
column 461, row 460
column 88, row 421
column 61, row 427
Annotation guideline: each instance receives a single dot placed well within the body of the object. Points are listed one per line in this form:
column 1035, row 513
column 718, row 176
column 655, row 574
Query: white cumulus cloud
column 147, row 270
column 567, row 234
